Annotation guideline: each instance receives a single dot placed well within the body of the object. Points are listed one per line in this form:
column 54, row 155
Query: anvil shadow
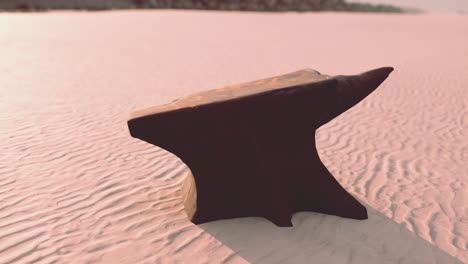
column 319, row 238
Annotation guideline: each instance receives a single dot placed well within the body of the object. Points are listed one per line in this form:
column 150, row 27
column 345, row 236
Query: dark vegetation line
column 229, row 5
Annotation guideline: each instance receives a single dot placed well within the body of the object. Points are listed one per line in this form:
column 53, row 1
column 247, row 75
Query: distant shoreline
column 239, row 5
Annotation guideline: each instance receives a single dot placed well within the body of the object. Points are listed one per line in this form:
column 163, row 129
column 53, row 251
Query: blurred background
column 398, row 6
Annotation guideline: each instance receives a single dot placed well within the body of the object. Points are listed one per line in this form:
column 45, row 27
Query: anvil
column 251, row 147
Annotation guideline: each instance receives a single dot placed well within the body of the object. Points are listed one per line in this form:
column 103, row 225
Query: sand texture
column 75, row 187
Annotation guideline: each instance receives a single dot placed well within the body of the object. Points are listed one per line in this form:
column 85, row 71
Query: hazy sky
column 438, row 6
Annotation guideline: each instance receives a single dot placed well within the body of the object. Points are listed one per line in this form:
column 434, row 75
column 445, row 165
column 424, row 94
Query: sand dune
column 76, row 188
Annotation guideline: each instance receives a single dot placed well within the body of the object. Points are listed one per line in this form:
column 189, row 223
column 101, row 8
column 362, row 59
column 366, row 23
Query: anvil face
column 251, row 147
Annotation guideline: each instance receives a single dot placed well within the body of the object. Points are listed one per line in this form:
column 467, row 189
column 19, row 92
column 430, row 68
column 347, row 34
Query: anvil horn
column 351, row 90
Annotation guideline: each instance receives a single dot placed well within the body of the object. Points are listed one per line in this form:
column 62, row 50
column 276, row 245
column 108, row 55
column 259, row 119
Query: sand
column 76, row 188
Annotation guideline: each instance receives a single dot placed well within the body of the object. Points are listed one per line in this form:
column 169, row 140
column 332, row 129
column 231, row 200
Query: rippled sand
column 76, row 188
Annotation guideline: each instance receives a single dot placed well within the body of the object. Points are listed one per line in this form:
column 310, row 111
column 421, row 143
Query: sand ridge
column 76, row 188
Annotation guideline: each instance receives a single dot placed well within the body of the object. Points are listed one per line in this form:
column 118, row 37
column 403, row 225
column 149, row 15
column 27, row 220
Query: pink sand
column 76, row 188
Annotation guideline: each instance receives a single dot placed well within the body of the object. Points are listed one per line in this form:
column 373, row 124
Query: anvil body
column 251, row 147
